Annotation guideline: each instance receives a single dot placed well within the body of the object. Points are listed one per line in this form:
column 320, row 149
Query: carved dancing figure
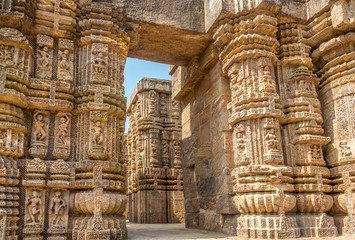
column 64, row 60
column 34, row 205
column 38, row 126
column 43, row 57
column 57, row 207
column 154, row 146
column 98, row 134
column 63, row 133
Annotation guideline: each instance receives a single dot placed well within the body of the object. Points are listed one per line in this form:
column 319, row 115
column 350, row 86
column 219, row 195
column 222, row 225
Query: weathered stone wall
column 268, row 97
column 154, row 154
column 207, row 151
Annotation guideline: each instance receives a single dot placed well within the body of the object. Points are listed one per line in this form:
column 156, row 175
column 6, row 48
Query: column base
column 316, row 225
column 112, row 228
column 267, row 226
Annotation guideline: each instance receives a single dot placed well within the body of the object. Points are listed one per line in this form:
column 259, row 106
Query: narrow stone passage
column 170, row 232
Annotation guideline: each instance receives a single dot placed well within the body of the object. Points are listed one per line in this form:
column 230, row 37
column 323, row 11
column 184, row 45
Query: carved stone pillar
column 15, row 66
column 58, row 210
column 155, row 177
column 35, row 183
column 262, row 181
column 100, row 172
column 303, row 133
column 334, row 61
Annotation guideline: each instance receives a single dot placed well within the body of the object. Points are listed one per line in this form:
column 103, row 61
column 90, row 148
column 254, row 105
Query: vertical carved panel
column 35, row 181
column 97, row 149
column 39, row 135
column 62, row 136
column 44, row 57
column 65, row 60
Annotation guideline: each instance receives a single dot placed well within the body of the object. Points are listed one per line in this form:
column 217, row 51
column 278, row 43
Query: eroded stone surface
column 154, row 154
column 267, row 90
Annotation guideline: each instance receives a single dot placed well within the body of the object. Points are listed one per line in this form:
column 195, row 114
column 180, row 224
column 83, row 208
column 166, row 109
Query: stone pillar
column 99, row 171
column 335, row 63
column 154, row 139
column 262, row 180
column 303, row 133
column 15, row 66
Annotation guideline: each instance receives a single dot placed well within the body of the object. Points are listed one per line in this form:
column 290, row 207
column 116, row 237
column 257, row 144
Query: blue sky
column 136, row 69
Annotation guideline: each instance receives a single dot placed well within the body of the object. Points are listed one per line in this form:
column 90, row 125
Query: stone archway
column 256, row 79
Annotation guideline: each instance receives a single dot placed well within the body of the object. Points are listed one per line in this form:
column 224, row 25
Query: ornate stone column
column 335, row 63
column 100, row 107
column 262, row 180
column 154, row 138
column 303, row 133
column 15, row 66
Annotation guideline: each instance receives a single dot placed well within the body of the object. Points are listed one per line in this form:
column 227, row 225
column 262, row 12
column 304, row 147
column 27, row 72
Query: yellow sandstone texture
column 267, row 134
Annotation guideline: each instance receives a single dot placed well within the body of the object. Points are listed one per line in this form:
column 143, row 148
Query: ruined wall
column 207, row 150
column 154, row 154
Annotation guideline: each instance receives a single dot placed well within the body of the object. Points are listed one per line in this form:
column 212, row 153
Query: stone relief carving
column 175, row 112
column 65, row 60
column 6, row 55
column 97, row 141
column 345, row 150
column 44, row 57
column 99, row 63
column 34, row 207
column 163, row 105
column 39, row 142
column 241, row 146
column 57, row 207
column 152, row 104
column 62, row 136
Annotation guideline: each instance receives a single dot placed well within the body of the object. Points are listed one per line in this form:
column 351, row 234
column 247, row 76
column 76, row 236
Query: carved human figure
column 271, row 140
column 266, row 82
column 154, row 146
column 3, row 136
column 175, row 113
column 138, row 108
column 165, row 148
column 62, row 131
column 34, row 206
column 100, row 64
column 6, row 54
column 43, row 57
column 163, row 105
column 345, row 150
column 64, row 60
column 152, row 103
column 39, row 133
column 240, row 141
column 98, row 134
column 57, row 208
